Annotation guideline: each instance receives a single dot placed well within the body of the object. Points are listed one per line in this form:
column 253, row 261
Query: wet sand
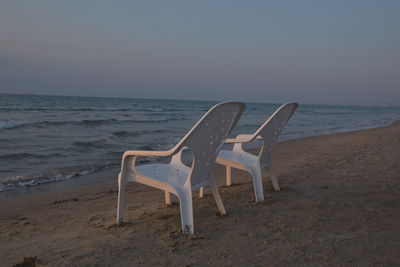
column 339, row 205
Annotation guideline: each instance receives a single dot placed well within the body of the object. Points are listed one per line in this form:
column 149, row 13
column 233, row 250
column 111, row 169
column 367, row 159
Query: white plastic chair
column 268, row 133
column 204, row 141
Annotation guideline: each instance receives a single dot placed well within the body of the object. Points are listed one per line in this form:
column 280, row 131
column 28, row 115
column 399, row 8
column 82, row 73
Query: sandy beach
column 339, row 205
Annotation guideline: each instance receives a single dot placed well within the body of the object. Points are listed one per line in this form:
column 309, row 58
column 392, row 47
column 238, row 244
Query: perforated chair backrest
column 206, row 138
column 272, row 128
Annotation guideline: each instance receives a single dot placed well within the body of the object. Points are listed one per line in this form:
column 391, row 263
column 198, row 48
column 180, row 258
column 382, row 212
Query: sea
column 55, row 138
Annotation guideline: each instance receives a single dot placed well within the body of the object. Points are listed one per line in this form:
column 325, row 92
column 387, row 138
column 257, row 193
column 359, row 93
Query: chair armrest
column 144, row 153
column 242, row 138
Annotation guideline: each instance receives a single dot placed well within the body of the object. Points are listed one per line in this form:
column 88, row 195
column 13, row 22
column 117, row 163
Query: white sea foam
column 6, row 124
column 10, row 183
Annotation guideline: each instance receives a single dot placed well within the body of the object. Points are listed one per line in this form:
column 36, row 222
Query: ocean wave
column 105, row 121
column 126, row 133
column 142, row 147
column 95, row 122
column 5, row 125
column 139, row 133
column 95, row 143
column 94, row 109
column 11, row 183
column 68, row 109
column 36, row 124
column 331, row 112
column 175, row 109
column 23, row 155
column 146, row 147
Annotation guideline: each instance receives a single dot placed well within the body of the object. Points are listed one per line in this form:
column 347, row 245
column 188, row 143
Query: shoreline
column 338, row 205
column 104, row 176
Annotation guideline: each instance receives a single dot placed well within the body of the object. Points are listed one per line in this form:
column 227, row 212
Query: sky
column 318, row 52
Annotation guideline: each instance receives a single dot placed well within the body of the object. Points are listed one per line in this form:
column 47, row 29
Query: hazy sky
column 334, row 52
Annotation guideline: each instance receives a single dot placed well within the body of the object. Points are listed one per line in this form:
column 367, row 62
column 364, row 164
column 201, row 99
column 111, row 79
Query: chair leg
column 214, row 190
column 257, row 183
column 168, row 198
column 186, row 207
column 121, row 199
column 228, row 175
column 201, row 192
column 274, row 180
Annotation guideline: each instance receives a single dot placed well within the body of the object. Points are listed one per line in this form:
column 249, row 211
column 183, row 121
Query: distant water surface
column 54, row 138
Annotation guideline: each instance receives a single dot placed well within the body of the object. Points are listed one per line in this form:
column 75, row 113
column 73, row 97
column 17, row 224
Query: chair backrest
column 206, row 138
column 271, row 129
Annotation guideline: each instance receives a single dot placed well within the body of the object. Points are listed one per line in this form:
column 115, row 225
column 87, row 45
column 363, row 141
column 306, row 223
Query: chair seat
column 166, row 173
column 245, row 159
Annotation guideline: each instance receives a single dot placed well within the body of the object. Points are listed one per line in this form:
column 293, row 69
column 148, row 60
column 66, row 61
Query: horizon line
column 180, row 99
